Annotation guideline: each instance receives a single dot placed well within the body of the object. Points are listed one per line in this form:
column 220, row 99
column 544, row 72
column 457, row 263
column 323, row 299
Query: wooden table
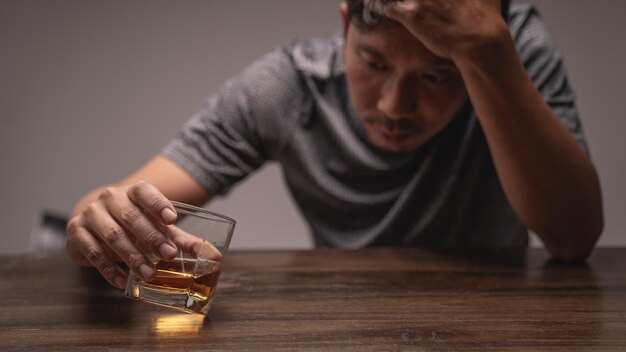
column 366, row 300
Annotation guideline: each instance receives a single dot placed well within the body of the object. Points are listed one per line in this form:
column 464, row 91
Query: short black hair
column 365, row 19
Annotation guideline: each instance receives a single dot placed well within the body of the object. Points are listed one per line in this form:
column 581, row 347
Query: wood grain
column 330, row 300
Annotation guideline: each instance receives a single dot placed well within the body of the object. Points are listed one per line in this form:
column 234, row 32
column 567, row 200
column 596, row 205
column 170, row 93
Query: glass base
column 180, row 299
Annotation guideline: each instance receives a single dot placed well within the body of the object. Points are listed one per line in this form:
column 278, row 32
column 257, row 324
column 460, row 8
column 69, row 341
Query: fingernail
column 119, row 282
column 167, row 251
column 146, row 271
column 168, row 215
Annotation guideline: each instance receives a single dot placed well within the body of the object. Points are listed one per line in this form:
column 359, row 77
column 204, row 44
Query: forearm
column 172, row 181
column 548, row 179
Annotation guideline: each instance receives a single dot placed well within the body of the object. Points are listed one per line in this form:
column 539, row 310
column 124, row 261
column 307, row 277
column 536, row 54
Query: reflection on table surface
column 373, row 299
column 172, row 325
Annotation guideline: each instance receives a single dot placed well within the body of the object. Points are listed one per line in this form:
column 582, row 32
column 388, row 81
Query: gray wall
column 89, row 90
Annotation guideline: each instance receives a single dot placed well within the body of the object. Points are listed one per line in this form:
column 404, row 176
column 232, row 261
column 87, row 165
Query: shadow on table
column 104, row 304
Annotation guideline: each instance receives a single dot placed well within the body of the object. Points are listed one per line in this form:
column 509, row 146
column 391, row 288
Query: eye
column 376, row 66
column 372, row 62
column 432, row 78
column 440, row 76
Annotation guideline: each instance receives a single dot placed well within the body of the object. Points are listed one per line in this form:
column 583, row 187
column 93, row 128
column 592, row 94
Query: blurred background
column 92, row 89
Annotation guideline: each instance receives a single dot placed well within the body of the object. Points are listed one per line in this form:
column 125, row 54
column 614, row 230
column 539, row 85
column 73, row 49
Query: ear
column 345, row 19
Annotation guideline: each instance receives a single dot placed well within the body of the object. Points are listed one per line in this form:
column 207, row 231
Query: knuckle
column 108, row 269
column 413, row 9
column 95, row 256
column 154, row 238
column 157, row 202
column 112, row 234
column 135, row 259
column 77, row 257
column 139, row 187
column 130, row 215
column 91, row 210
column 147, row 195
column 72, row 227
column 107, row 193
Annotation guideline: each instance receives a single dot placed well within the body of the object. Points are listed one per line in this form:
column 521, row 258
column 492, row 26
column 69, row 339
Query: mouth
column 395, row 133
column 396, row 136
column 392, row 131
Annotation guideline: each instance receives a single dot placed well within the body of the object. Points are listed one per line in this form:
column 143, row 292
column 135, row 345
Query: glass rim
column 193, row 210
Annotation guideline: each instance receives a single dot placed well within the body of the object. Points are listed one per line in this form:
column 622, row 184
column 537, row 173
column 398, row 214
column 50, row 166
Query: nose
column 398, row 97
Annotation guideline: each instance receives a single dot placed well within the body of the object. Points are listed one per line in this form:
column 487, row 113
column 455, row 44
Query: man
column 424, row 126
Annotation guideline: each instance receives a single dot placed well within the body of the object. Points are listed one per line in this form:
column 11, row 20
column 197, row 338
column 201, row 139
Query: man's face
column 401, row 91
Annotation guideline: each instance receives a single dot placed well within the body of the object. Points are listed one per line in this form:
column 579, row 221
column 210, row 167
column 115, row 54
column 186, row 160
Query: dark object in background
column 49, row 233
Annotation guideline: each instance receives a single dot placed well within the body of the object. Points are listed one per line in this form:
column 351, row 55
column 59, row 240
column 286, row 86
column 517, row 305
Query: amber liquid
column 184, row 283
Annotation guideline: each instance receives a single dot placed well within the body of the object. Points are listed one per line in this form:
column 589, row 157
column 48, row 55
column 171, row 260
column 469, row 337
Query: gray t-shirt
column 292, row 106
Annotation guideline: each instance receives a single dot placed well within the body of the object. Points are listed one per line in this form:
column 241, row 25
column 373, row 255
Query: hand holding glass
column 188, row 282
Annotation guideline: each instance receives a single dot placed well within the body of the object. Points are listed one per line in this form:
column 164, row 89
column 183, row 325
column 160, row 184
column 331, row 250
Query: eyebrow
column 438, row 61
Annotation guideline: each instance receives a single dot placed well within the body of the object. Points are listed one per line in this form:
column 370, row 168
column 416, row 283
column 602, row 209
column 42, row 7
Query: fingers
column 133, row 219
column 381, row 7
column 83, row 247
column 116, row 237
column 123, row 222
column 153, row 202
column 194, row 245
column 403, row 11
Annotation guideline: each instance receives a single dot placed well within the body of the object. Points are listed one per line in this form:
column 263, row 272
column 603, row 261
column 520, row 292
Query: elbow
column 571, row 254
column 577, row 243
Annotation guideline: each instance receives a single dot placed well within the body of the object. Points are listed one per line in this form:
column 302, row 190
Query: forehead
column 392, row 42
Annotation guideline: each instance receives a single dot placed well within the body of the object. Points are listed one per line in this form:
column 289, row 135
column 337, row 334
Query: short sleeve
column 245, row 124
column 545, row 67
